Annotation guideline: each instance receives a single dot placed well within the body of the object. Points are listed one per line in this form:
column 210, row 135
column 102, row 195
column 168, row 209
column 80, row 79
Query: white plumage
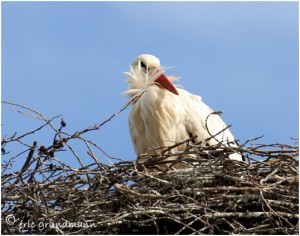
column 163, row 115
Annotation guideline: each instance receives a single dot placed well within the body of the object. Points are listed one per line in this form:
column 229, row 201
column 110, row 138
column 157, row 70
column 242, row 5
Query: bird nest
column 212, row 195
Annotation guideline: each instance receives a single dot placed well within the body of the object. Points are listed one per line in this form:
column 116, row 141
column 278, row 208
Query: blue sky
column 68, row 58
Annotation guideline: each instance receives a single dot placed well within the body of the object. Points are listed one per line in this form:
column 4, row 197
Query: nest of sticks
column 213, row 195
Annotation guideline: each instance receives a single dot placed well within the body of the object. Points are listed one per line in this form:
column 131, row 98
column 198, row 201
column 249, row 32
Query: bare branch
column 211, row 194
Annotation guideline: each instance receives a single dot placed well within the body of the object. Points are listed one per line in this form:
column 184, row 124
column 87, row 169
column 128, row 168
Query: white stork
column 163, row 115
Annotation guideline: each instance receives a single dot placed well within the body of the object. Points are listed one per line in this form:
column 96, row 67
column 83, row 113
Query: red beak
column 165, row 83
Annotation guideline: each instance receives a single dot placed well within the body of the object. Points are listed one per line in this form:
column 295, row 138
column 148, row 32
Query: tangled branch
column 213, row 195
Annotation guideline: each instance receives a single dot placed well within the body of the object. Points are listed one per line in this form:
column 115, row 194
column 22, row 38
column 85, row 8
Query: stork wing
column 201, row 120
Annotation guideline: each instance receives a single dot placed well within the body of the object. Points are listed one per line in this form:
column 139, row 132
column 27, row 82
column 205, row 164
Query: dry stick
column 106, row 155
column 226, row 189
column 154, row 159
column 101, row 149
column 281, row 203
column 184, row 227
column 178, row 144
column 42, row 195
column 25, row 114
column 152, row 177
column 271, row 209
column 38, row 164
column 169, row 148
column 96, row 127
column 57, row 132
column 270, row 155
column 250, row 140
column 277, row 145
column 248, row 215
column 27, row 108
column 179, row 222
column 34, row 111
column 268, row 176
column 32, row 132
column 28, row 159
column 231, row 226
column 128, row 191
column 48, row 122
column 91, row 153
column 214, row 136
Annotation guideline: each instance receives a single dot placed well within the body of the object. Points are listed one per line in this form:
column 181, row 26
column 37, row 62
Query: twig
column 28, row 159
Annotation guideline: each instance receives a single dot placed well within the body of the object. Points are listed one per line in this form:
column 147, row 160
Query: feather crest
column 139, row 81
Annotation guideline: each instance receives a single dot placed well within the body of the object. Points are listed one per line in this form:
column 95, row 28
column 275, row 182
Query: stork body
column 163, row 115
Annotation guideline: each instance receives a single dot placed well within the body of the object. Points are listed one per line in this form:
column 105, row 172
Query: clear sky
column 69, row 57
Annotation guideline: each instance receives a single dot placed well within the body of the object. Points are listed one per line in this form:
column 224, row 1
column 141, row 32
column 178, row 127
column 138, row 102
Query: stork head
column 147, row 62
column 150, row 66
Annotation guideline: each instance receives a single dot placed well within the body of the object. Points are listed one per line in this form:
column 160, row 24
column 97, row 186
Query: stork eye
column 143, row 65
